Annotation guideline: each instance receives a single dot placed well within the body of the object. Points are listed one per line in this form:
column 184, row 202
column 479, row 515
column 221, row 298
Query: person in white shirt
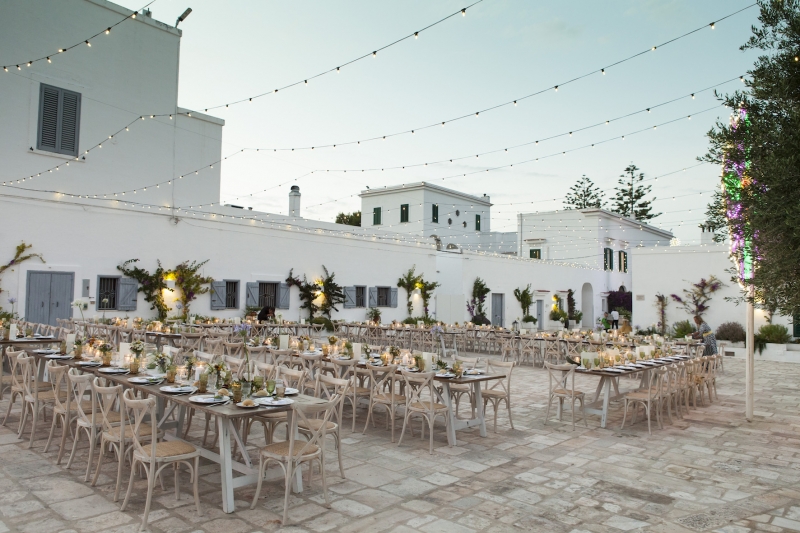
column 614, row 319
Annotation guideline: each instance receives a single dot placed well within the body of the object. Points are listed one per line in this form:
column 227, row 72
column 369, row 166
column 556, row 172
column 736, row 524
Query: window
column 435, row 213
column 404, row 213
column 376, row 216
column 361, row 297
column 107, row 288
column 231, row 295
column 477, row 222
column 623, row 261
column 267, row 295
column 384, row 296
column 608, row 259
column 59, row 120
column 536, row 253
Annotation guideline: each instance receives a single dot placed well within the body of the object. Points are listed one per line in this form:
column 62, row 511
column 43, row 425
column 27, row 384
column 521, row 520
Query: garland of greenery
column 190, row 283
column 308, row 293
column 332, row 293
column 19, row 257
column 151, row 285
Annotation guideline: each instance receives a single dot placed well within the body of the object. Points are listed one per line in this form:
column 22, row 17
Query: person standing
column 705, row 333
column 614, row 319
column 605, row 322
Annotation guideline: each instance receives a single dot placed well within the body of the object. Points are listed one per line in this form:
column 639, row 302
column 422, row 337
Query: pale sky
column 501, row 50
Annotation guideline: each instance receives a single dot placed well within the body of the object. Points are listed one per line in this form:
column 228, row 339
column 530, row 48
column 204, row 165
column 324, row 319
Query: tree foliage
column 153, row 286
column 332, row 293
column 525, row 299
column 350, row 219
column 408, row 282
column 631, row 198
column 190, row 283
column 308, row 292
column 764, row 207
column 584, row 194
column 475, row 305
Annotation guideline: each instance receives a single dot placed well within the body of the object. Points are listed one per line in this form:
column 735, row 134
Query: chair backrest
column 11, row 357
column 30, row 387
column 107, row 399
column 205, row 357
column 281, row 356
column 291, row 378
column 382, row 378
column 57, row 374
column 235, row 349
column 191, row 341
column 214, row 345
column 139, row 408
column 79, row 385
column 332, row 389
column 560, row 376
column 346, row 368
column 258, row 353
column 417, row 384
column 266, row 369
column 501, row 367
column 304, row 413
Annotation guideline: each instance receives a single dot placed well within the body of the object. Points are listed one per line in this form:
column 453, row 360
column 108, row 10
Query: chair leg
column 403, row 431
column 430, row 424
column 624, row 414
column 52, row 431
column 337, row 438
column 196, row 487
column 120, row 463
column 324, row 480
column 151, row 485
column 547, row 412
column 287, row 489
column 10, row 404
column 261, row 469
column 99, row 464
column 130, row 486
column 74, row 447
column 22, row 419
column 92, row 439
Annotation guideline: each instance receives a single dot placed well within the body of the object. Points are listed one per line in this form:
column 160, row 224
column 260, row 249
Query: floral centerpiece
column 162, row 361
column 106, row 351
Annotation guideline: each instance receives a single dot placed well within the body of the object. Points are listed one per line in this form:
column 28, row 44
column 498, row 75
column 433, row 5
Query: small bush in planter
column 557, row 315
column 481, row 320
column 529, row 318
column 682, row 329
column 772, row 334
column 731, row 331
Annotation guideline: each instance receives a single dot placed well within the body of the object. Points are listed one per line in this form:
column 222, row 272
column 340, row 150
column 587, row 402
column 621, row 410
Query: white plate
column 274, row 402
column 475, row 372
column 290, row 391
column 609, row 369
column 114, row 370
column 89, row 363
column 446, row 375
column 207, row 399
column 144, row 381
column 178, row 389
column 241, row 404
column 58, row 356
column 45, row 351
column 43, row 337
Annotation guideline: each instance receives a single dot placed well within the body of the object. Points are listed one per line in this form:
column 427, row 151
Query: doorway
column 497, row 310
column 540, row 314
column 49, row 296
column 587, row 306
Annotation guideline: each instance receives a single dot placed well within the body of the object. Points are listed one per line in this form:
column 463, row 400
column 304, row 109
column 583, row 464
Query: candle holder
column 134, row 365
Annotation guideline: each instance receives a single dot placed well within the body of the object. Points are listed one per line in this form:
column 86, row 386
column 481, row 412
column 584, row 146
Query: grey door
column 49, row 296
column 540, row 314
column 497, row 310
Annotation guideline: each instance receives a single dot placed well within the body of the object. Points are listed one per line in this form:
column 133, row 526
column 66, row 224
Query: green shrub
column 623, row 313
column 731, row 331
column 481, row 320
column 770, row 333
column 557, row 315
column 529, row 318
column 428, row 321
column 682, row 329
column 325, row 321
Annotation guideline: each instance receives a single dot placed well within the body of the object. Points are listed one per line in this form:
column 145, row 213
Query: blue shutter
column 127, row 294
column 393, row 301
column 373, row 296
column 252, row 294
column 283, row 296
column 349, row 297
column 218, row 295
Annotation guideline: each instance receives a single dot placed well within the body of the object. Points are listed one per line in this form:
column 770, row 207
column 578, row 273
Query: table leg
column 476, row 387
column 599, row 388
column 225, row 466
column 606, row 398
column 451, row 416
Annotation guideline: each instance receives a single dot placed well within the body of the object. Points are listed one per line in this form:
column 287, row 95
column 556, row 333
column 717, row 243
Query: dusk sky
column 499, row 51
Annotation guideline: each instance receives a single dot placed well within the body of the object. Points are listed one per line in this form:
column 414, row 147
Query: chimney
column 706, row 233
column 294, row 201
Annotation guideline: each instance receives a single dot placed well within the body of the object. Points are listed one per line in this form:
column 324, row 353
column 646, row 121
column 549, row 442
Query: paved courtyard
column 711, row 471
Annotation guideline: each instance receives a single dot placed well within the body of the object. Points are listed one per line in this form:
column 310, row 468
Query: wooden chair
column 233, row 349
column 383, row 392
column 421, row 400
column 330, row 389
column 214, row 345
column 36, row 396
column 347, row 369
column 500, row 389
column 13, row 380
column 291, row 454
column 562, row 387
column 156, row 456
column 649, row 397
column 80, row 386
column 61, row 406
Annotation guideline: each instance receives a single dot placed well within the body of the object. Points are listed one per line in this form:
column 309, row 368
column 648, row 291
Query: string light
column 82, row 41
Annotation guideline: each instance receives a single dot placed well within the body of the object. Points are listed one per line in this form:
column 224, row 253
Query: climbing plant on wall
column 408, row 282
column 661, row 304
column 19, row 257
column 332, row 293
column 426, row 289
column 152, row 285
column 308, row 292
column 475, row 305
column 190, row 283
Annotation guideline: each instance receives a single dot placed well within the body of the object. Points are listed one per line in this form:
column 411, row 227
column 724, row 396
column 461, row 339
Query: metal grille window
column 361, row 297
column 404, row 213
column 477, row 222
column 376, row 216
column 59, row 120
column 384, row 296
column 267, row 294
column 107, row 293
column 435, row 213
column 536, row 253
column 231, row 295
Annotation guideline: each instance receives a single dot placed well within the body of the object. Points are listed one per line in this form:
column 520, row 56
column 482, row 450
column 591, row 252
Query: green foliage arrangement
column 408, row 282
column 682, row 328
column 772, row 334
column 374, row 315
column 308, row 293
column 190, row 283
column 731, row 331
column 152, row 285
column 525, row 299
column 475, row 305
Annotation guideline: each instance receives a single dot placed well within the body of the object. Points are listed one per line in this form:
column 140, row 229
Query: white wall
column 670, row 270
column 131, row 72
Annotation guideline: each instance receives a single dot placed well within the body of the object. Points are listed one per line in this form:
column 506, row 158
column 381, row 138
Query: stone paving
column 711, row 471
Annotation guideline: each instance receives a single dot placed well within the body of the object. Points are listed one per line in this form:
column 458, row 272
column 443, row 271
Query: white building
column 152, row 192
